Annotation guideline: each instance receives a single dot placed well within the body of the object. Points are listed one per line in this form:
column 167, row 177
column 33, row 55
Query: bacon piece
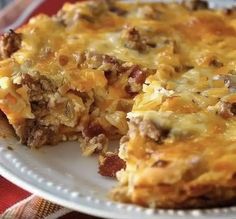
column 110, row 163
column 63, row 60
column 93, row 129
column 137, row 77
column 129, row 90
column 138, row 74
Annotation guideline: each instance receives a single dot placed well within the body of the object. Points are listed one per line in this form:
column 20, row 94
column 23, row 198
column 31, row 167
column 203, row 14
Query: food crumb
column 10, row 148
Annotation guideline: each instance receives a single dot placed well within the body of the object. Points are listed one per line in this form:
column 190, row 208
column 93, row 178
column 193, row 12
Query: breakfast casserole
column 162, row 75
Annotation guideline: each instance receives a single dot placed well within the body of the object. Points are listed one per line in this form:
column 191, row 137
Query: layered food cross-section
column 180, row 150
column 161, row 75
column 74, row 75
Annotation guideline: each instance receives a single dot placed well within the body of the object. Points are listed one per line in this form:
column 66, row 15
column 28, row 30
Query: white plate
column 60, row 174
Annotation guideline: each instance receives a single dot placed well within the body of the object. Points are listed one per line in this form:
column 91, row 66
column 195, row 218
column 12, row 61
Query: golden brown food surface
column 72, row 76
column 169, row 68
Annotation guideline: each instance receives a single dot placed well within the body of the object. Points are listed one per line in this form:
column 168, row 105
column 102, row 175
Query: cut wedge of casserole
column 161, row 75
column 180, row 150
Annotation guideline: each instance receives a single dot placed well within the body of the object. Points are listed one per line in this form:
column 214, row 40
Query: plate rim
column 50, row 197
column 11, row 165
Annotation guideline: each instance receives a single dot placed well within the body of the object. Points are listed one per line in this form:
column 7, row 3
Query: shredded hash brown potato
column 161, row 75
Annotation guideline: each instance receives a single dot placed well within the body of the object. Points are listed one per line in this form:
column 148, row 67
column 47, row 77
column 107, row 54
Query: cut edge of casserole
column 61, row 80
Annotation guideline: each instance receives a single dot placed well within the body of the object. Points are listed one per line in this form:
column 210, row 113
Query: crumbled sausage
column 110, row 163
column 94, row 9
column 39, row 136
column 93, row 129
column 38, row 82
column 100, row 141
column 138, row 74
column 10, row 42
column 111, row 66
column 39, row 89
column 137, row 77
column 38, row 86
column 33, row 134
column 110, row 59
column 39, row 108
column 227, row 110
column 216, row 63
column 96, row 144
column 148, row 129
column 111, row 4
column 99, row 61
column 233, row 108
column 133, row 40
column 229, row 11
column 195, row 4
